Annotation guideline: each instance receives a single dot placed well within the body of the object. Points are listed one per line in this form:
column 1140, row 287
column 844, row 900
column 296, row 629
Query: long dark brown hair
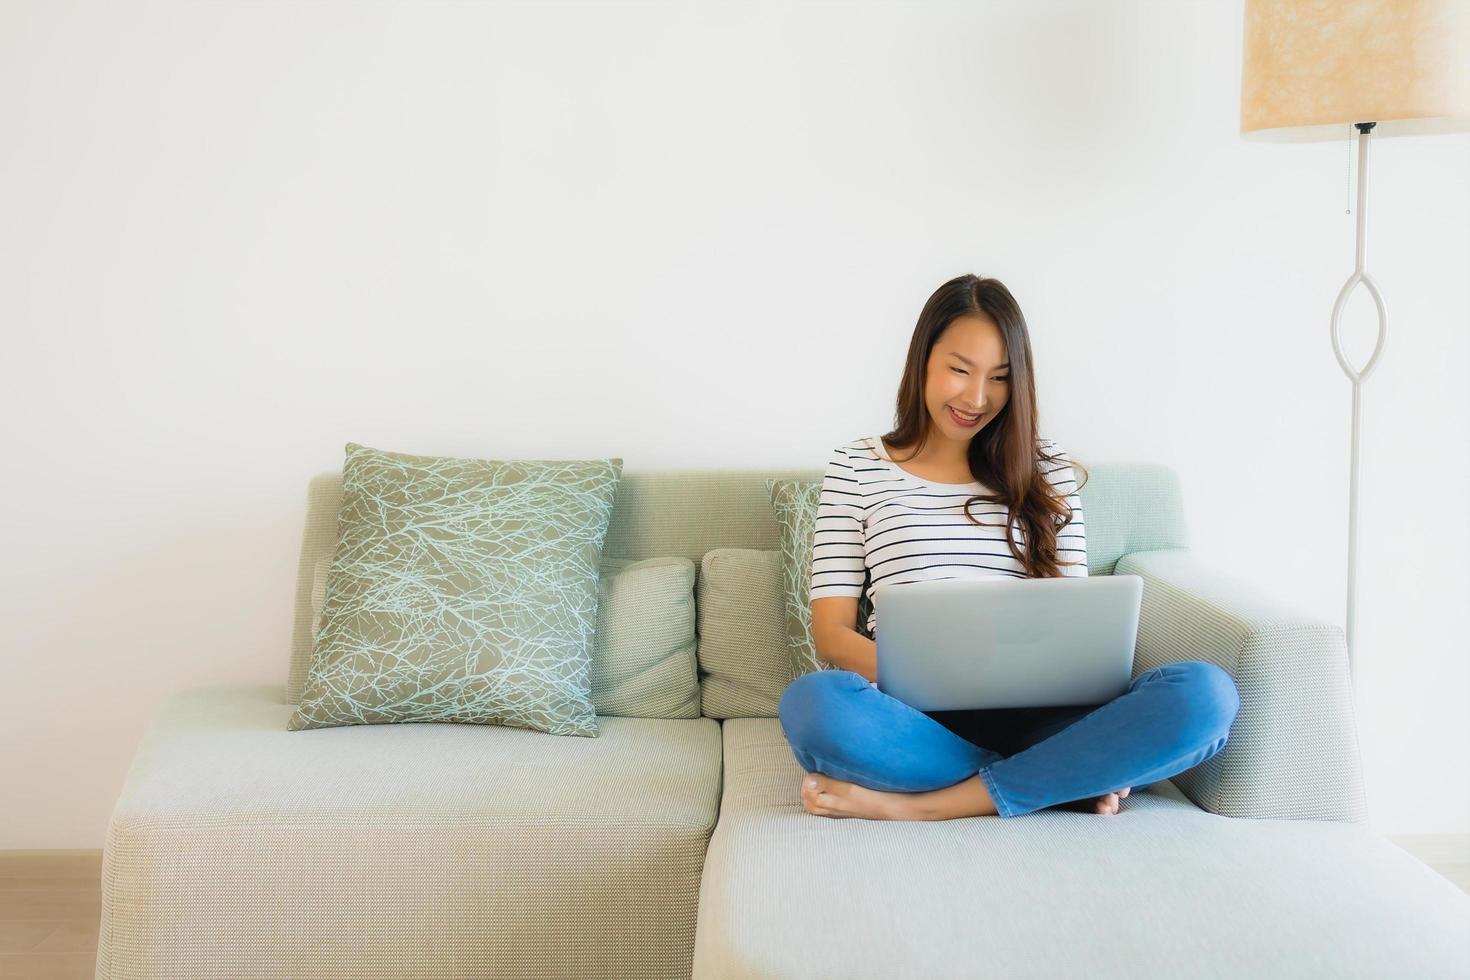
column 1006, row 454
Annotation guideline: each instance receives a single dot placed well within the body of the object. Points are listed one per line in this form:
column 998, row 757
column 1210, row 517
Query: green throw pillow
column 743, row 651
column 461, row 590
column 795, row 505
column 644, row 651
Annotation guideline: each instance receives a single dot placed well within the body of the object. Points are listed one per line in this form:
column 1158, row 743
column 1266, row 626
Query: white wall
column 235, row 236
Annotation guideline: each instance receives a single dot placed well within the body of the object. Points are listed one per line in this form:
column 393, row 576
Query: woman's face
column 969, row 372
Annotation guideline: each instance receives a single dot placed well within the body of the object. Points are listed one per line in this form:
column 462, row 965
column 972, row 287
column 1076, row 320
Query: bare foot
column 826, row 796
column 1105, row 804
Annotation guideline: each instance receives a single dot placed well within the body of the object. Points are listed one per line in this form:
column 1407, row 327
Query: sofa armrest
column 1293, row 750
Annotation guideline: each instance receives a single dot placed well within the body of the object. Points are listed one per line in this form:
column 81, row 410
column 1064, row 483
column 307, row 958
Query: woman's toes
column 1123, row 793
column 808, row 792
column 813, row 785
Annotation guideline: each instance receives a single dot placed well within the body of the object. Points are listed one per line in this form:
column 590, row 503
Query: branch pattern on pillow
column 795, row 506
column 461, row 590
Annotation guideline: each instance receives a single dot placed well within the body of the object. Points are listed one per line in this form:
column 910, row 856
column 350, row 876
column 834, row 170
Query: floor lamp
column 1316, row 71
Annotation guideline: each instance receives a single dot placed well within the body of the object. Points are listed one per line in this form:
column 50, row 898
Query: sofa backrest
column 1126, row 507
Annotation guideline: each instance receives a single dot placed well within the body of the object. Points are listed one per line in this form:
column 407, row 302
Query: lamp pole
column 1359, row 276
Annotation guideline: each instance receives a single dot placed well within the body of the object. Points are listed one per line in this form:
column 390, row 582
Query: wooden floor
column 51, row 903
column 50, row 907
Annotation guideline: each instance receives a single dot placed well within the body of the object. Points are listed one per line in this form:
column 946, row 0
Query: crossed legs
column 868, row 754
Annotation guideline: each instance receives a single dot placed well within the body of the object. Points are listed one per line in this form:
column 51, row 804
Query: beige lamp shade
column 1312, row 67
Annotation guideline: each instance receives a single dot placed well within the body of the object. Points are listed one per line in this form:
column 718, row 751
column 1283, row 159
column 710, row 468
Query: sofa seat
column 239, row 849
column 1160, row 889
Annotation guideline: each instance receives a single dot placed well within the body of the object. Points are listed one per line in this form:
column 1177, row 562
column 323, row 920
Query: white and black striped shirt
column 875, row 516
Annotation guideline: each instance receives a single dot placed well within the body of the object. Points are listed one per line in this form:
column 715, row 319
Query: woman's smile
column 960, row 420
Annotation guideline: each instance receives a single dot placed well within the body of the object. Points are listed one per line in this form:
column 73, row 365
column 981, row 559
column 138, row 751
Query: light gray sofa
column 679, row 847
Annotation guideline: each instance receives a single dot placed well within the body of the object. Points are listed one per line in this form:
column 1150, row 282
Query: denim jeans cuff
column 1000, row 802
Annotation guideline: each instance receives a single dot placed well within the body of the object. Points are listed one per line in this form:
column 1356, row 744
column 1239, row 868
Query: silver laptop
column 1003, row 642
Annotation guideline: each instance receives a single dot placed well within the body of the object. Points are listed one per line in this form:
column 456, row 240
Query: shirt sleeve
column 837, row 541
column 1072, row 538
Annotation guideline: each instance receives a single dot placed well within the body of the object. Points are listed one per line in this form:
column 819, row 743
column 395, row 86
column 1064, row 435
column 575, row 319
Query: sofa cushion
column 795, row 504
column 239, row 849
column 1159, row 889
column 644, row 658
column 742, row 632
column 461, row 590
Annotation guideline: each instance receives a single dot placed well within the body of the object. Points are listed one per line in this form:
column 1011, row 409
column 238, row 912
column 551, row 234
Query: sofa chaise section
column 1255, row 863
column 1161, row 889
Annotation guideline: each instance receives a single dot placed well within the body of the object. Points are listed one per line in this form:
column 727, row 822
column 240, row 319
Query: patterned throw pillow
column 461, row 590
column 795, row 504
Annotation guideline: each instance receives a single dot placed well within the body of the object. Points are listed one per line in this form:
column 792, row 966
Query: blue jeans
column 1170, row 719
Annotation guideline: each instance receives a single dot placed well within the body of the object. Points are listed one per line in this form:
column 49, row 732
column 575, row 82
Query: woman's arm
column 834, row 632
